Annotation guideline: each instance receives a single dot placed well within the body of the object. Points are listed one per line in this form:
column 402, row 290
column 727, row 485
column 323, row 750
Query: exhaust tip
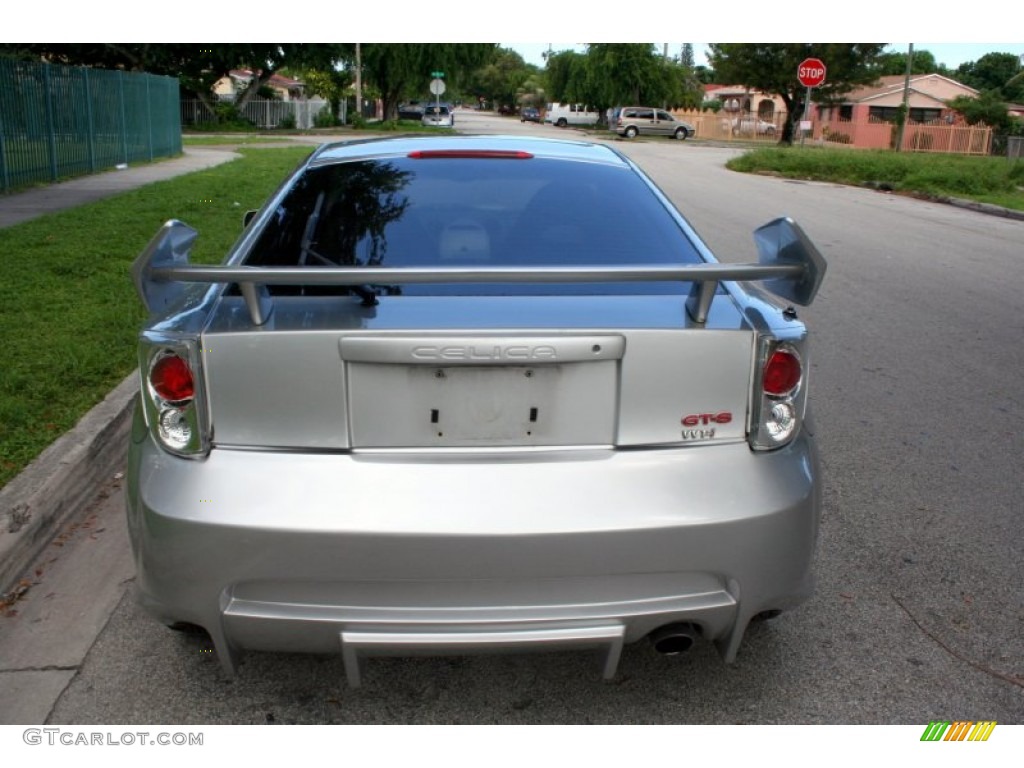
column 674, row 639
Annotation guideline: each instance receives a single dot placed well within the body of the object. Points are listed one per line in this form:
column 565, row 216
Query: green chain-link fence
column 57, row 121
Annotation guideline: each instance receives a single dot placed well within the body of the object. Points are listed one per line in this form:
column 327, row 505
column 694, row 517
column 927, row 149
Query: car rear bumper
column 403, row 553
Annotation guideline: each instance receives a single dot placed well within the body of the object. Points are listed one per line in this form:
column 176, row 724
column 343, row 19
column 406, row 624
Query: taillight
column 171, row 379
column 782, row 373
column 779, row 406
column 170, row 394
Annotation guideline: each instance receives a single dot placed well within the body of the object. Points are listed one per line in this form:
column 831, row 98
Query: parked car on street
column 436, row 400
column 633, row 121
column 410, row 111
column 564, row 115
column 529, row 115
column 440, row 116
column 752, row 125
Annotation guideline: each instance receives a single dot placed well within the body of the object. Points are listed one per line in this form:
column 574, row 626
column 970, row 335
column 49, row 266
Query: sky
column 963, row 35
column 950, row 54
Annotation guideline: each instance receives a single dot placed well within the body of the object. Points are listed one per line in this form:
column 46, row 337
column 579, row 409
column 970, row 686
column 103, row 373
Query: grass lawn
column 231, row 139
column 986, row 179
column 69, row 314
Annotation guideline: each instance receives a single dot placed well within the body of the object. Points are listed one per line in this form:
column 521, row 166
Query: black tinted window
column 471, row 212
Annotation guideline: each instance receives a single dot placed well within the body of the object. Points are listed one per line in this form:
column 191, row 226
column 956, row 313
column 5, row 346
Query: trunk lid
column 477, row 373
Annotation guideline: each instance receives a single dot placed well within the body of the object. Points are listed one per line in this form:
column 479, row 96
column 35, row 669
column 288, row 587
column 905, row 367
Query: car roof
column 366, row 149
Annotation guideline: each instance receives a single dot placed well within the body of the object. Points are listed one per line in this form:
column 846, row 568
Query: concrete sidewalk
column 66, row 476
column 38, row 201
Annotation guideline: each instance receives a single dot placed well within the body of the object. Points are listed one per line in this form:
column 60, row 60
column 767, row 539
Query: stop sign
column 811, row 72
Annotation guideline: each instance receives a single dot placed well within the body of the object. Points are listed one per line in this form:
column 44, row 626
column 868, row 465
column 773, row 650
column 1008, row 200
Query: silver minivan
column 649, row 120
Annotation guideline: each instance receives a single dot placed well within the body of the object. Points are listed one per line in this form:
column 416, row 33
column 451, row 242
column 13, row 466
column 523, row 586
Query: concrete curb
column 65, row 477
column 992, row 210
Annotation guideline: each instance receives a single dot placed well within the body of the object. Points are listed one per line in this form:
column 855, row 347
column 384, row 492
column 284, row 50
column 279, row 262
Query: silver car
column 437, row 401
column 752, row 125
column 438, row 116
column 633, row 121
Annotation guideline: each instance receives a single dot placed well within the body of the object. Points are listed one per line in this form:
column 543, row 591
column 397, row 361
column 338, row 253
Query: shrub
column 226, row 118
column 324, row 118
column 287, row 122
column 228, row 115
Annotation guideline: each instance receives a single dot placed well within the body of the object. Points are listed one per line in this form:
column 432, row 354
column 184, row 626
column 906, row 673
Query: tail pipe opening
column 674, row 639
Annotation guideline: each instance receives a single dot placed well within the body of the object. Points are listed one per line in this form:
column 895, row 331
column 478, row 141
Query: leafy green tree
column 995, row 72
column 330, row 84
column 686, row 55
column 922, row 63
column 532, row 93
column 611, row 74
column 502, row 79
column 706, row 75
column 402, row 70
column 692, row 88
column 988, row 108
column 630, row 73
column 567, row 77
column 772, row 68
column 198, row 66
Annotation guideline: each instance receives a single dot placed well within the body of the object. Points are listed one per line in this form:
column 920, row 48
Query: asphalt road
column 919, row 615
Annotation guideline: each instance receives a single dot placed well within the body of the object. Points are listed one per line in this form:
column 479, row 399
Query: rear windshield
column 404, row 212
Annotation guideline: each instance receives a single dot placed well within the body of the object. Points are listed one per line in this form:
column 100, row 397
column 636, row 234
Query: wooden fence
column 872, row 133
column 937, row 136
column 732, row 126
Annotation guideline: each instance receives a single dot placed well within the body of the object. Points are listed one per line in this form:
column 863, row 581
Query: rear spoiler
column 789, row 265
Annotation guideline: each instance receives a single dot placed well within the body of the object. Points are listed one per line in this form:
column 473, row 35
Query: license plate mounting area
column 413, row 393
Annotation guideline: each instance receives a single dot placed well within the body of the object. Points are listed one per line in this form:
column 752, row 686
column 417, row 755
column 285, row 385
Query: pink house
column 286, row 88
column 927, row 97
column 739, row 99
column 866, row 116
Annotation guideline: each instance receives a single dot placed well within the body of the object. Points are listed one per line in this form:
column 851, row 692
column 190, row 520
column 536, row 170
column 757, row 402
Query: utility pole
column 664, row 60
column 905, row 110
column 359, row 81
